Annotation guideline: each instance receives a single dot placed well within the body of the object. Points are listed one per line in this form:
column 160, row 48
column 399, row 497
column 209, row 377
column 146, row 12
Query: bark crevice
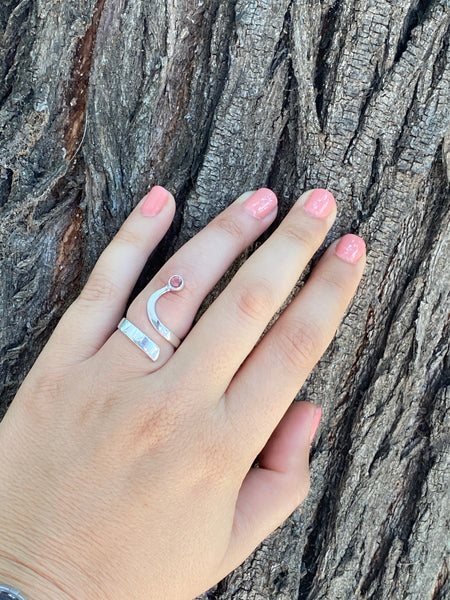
column 77, row 90
column 323, row 68
column 417, row 14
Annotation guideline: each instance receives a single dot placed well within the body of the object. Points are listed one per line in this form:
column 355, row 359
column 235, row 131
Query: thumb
column 274, row 489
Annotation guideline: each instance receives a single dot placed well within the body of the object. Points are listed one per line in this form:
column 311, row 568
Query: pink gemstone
column 176, row 281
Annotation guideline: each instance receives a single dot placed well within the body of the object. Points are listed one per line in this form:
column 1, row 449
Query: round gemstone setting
column 176, row 282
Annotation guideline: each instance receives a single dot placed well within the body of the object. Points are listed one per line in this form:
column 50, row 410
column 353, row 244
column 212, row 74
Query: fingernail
column 350, row 248
column 315, row 423
column 154, row 201
column 261, row 203
column 320, row 203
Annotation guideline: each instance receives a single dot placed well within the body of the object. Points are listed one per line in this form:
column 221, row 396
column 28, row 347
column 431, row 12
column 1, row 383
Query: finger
column 241, row 313
column 94, row 315
column 201, row 262
column 271, row 492
column 279, row 365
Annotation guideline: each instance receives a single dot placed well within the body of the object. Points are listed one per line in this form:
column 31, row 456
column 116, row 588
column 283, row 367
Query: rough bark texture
column 99, row 99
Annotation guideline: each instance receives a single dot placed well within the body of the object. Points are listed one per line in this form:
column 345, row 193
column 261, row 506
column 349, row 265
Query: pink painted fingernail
column 154, row 201
column 350, row 248
column 320, row 203
column 315, row 423
column 261, row 203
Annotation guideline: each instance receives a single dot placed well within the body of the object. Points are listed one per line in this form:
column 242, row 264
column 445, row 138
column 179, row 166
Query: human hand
column 121, row 477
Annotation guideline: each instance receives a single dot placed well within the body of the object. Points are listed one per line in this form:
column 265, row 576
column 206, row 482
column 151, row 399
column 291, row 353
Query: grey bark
column 101, row 99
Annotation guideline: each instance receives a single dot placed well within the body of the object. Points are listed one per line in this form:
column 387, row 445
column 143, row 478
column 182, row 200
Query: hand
column 126, row 478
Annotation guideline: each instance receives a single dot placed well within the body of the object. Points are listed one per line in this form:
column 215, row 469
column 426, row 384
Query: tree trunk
column 101, row 99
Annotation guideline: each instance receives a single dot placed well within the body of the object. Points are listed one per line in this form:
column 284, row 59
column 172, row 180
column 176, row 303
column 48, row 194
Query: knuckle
column 230, row 226
column 153, row 423
column 299, row 345
column 332, row 280
column 155, row 427
column 302, row 236
column 128, row 237
column 99, row 288
column 255, row 301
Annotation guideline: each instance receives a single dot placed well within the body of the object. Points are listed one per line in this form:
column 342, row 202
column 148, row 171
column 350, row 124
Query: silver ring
column 175, row 284
column 139, row 338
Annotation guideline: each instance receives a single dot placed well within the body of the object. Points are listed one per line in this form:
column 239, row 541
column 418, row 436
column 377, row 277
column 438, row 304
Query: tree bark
column 100, row 99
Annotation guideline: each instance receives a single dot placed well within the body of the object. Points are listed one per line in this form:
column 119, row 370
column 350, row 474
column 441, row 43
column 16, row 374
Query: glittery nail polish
column 350, row 248
column 261, row 203
column 320, row 203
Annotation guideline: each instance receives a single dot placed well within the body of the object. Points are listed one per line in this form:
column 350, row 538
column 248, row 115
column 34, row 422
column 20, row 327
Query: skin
column 122, row 477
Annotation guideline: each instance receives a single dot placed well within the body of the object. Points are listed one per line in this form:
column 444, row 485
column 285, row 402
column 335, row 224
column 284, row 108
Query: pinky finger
column 271, row 492
column 94, row 315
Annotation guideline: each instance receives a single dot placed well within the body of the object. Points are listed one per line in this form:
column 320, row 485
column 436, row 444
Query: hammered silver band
column 175, row 284
column 139, row 338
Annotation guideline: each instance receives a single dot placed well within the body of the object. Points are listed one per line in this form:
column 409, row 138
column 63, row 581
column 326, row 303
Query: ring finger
column 201, row 263
column 288, row 352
